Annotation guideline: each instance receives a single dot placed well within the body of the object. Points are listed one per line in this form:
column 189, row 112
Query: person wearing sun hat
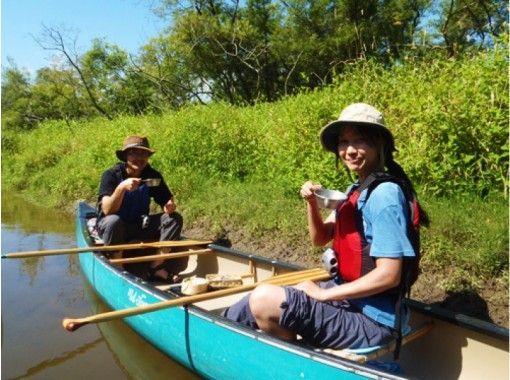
column 124, row 203
column 357, row 114
column 372, row 233
column 134, row 142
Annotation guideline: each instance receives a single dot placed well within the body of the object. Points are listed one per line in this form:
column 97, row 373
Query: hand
column 131, row 184
column 169, row 207
column 311, row 289
column 307, row 190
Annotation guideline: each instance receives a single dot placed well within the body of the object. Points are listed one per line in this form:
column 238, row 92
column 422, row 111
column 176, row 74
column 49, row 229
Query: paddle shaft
column 106, row 248
column 71, row 324
column 162, row 256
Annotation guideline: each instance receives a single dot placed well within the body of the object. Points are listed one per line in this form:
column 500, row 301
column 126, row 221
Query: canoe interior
column 225, row 264
column 447, row 352
column 455, row 348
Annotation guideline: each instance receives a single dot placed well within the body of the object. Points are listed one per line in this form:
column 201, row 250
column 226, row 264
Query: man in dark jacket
column 124, row 199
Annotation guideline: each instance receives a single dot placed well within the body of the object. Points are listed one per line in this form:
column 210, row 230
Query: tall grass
column 241, row 168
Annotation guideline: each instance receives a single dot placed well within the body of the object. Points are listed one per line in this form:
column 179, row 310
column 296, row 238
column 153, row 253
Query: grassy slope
column 236, row 171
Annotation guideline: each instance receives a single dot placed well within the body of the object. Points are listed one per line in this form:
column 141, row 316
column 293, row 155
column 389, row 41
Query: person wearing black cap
column 374, row 232
column 124, row 198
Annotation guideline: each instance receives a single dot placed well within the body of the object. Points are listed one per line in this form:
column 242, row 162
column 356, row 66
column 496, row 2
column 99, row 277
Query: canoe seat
column 362, row 355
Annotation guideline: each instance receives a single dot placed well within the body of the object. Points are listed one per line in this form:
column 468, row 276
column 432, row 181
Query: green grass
column 469, row 237
column 234, row 168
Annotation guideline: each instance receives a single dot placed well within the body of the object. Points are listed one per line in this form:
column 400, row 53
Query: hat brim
column 121, row 154
column 329, row 134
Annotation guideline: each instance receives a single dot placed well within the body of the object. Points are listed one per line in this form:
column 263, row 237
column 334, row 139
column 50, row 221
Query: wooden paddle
column 161, row 256
column 292, row 278
column 106, row 248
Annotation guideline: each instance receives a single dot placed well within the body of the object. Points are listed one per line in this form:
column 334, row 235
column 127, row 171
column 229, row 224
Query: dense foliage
column 449, row 118
column 235, row 166
column 240, row 53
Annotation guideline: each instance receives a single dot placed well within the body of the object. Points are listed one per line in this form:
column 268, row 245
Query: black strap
column 398, row 327
column 370, row 183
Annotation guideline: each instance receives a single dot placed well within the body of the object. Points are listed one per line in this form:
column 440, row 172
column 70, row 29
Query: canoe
column 447, row 345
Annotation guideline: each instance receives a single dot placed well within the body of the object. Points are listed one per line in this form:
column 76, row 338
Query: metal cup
column 329, row 198
column 152, row 182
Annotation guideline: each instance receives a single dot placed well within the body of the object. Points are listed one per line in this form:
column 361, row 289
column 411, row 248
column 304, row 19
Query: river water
column 37, row 293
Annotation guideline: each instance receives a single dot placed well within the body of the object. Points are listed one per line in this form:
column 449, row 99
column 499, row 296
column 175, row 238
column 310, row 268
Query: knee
column 111, row 223
column 263, row 301
column 174, row 219
column 171, row 226
column 178, row 218
column 112, row 229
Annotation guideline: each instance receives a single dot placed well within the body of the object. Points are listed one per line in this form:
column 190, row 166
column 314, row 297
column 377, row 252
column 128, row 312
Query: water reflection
column 53, row 362
column 38, row 292
column 31, row 227
column 34, row 218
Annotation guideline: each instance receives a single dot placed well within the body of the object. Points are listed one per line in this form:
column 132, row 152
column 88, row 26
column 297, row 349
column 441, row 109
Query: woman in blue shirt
column 359, row 311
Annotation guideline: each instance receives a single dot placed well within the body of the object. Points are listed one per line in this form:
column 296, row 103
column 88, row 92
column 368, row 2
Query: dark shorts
column 334, row 324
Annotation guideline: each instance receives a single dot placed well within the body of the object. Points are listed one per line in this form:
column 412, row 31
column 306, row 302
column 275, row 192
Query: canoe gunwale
column 458, row 319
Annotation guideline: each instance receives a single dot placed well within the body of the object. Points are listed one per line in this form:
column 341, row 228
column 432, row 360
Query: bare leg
column 265, row 303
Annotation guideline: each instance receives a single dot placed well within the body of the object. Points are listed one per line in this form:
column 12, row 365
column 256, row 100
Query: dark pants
column 334, row 324
column 113, row 230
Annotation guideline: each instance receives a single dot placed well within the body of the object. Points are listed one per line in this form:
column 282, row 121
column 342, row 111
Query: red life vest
column 349, row 242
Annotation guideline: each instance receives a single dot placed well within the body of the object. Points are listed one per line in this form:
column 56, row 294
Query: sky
column 126, row 23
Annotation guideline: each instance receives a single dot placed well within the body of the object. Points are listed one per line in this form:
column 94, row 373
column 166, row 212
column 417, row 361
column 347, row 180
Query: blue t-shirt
column 385, row 221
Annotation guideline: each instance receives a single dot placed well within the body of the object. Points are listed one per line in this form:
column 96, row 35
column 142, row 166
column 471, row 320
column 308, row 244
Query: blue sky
column 126, row 23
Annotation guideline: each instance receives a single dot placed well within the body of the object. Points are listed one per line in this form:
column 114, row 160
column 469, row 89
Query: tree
column 262, row 50
column 103, row 67
column 16, row 99
column 56, row 40
column 464, row 23
column 58, row 94
column 239, row 52
column 166, row 65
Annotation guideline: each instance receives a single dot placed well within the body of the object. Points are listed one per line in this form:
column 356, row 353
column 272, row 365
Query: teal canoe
column 450, row 346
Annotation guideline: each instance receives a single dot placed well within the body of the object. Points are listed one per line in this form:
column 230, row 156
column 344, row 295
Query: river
column 37, row 293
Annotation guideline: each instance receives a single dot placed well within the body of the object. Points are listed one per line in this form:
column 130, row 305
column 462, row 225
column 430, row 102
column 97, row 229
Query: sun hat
column 134, row 142
column 357, row 114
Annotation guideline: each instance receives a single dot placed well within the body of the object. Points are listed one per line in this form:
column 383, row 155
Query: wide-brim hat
column 134, row 142
column 357, row 114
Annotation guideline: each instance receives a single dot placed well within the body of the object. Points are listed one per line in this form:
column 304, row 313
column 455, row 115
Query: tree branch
column 53, row 40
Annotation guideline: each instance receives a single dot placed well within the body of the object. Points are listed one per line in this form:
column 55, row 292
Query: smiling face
column 136, row 161
column 358, row 153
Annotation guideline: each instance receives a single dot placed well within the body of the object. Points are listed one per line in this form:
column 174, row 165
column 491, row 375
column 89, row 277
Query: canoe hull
column 218, row 348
